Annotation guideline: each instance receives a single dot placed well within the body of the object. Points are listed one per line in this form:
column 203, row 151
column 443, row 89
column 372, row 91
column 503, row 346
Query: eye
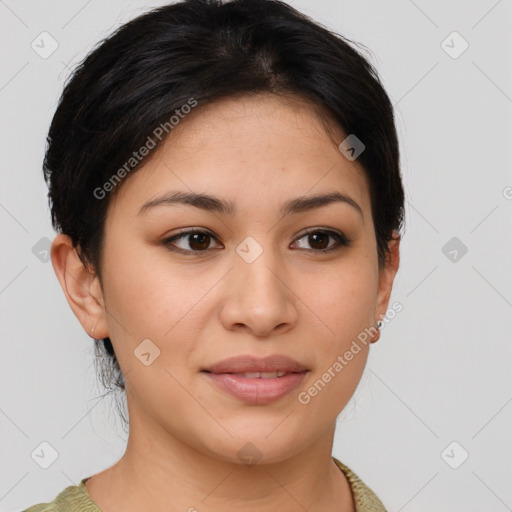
column 319, row 240
column 192, row 241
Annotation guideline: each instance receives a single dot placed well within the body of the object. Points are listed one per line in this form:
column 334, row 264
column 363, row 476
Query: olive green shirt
column 75, row 498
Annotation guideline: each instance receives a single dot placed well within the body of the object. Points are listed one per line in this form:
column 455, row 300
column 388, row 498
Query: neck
column 157, row 470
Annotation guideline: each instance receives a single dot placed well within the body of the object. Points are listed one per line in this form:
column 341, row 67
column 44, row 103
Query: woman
column 225, row 182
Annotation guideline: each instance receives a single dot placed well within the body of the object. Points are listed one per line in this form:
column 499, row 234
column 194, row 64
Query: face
column 257, row 272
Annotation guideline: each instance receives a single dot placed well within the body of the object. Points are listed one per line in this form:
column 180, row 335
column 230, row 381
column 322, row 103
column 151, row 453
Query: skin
column 202, row 307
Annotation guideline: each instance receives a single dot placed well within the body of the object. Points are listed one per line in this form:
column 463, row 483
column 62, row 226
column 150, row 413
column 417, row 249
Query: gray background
column 441, row 371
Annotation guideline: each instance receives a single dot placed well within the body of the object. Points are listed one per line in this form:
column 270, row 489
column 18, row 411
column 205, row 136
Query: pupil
column 202, row 237
column 316, row 236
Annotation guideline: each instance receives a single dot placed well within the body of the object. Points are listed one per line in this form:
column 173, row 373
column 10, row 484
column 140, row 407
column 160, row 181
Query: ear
column 386, row 278
column 81, row 287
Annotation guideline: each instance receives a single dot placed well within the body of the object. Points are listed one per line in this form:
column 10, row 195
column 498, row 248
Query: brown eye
column 190, row 241
column 318, row 240
column 199, row 241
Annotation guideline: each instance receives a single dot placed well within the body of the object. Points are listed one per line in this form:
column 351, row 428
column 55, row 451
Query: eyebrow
column 214, row 204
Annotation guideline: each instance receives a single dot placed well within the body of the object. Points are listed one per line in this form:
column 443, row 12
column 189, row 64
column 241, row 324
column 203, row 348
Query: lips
column 263, row 375
column 257, row 381
column 249, row 364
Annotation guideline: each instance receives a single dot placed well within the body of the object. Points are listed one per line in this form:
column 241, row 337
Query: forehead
column 255, row 120
column 265, row 146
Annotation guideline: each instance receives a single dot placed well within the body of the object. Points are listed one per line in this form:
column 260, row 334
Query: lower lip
column 256, row 391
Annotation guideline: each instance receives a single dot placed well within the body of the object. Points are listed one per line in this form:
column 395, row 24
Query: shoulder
column 365, row 499
column 74, row 498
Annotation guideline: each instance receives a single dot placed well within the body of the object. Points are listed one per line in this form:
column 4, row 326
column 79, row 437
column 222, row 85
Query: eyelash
column 341, row 239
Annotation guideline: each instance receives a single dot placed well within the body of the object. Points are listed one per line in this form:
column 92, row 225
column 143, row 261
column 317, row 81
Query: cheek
column 148, row 298
column 138, row 288
column 343, row 299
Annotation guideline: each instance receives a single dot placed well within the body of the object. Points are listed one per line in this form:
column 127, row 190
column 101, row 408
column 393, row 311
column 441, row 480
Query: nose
column 259, row 296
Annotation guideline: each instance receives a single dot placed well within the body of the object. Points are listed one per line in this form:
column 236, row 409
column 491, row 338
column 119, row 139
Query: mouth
column 259, row 375
column 264, row 366
column 256, row 381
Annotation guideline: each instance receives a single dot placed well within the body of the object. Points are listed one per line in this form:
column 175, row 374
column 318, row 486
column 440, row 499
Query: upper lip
column 243, row 364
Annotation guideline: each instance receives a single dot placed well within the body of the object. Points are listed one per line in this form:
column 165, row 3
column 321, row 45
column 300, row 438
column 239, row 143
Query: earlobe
column 80, row 286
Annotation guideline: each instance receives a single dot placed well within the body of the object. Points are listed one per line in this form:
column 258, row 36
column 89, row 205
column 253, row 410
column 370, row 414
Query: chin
column 258, row 444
